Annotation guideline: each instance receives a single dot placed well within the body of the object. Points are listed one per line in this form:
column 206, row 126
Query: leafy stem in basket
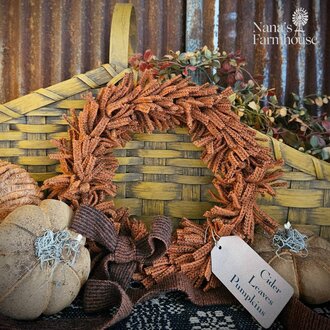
column 256, row 104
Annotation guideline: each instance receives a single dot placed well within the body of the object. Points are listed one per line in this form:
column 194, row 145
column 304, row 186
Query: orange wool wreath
column 242, row 168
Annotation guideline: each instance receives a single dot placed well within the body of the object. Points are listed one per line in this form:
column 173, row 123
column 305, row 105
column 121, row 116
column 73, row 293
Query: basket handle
column 123, row 35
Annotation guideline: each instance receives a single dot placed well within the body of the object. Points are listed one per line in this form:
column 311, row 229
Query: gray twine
column 292, row 239
column 54, row 247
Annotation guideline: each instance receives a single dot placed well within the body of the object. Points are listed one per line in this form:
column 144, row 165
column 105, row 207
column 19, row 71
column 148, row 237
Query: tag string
column 213, row 234
column 205, row 234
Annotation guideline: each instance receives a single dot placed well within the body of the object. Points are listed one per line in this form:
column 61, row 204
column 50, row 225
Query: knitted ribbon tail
column 95, row 225
column 103, row 294
column 111, row 277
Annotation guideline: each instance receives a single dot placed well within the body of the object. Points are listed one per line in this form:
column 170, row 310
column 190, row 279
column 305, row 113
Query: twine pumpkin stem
column 292, row 239
column 54, row 247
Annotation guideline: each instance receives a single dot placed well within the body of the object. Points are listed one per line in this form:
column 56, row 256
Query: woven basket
column 160, row 173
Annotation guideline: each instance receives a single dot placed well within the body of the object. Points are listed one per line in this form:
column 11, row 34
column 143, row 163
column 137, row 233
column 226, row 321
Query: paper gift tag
column 255, row 284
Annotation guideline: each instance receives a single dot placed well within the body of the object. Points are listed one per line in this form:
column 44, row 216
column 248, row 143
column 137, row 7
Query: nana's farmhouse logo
column 279, row 34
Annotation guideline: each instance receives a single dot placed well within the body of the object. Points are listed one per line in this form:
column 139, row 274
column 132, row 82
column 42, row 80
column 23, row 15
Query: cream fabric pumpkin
column 28, row 288
column 310, row 275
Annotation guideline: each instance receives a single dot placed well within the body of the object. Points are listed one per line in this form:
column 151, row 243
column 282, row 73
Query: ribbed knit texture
column 111, row 277
column 96, row 226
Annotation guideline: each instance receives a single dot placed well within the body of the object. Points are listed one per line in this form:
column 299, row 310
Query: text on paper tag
column 254, row 283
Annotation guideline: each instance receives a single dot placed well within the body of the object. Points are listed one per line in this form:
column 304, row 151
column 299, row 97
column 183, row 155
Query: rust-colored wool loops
column 242, row 168
column 17, row 188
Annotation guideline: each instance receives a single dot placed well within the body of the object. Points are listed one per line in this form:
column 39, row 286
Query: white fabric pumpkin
column 27, row 287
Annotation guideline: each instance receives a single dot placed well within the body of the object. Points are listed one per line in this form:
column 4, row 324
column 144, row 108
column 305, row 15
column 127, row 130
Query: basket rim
column 316, row 167
column 41, row 97
column 109, row 73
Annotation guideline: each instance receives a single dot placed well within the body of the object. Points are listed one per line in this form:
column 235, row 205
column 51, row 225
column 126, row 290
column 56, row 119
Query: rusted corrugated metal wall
column 229, row 25
column 45, row 41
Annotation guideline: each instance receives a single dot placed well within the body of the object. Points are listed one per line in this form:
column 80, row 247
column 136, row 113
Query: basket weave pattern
column 29, row 123
column 161, row 173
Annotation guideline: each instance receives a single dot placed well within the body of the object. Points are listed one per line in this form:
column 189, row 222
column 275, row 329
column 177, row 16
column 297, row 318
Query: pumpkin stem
column 54, row 247
column 291, row 239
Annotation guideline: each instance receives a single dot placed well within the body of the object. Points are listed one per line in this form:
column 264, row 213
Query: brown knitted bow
column 111, row 277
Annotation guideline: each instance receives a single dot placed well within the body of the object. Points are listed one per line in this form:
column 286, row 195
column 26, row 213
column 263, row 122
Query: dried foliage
column 242, row 168
column 255, row 103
